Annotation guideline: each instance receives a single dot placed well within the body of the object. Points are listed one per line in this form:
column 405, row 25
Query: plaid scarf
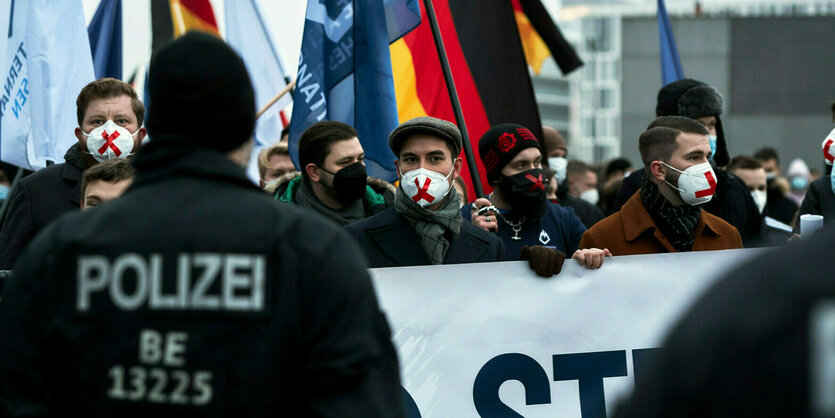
column 435, row 228
column 677, row 223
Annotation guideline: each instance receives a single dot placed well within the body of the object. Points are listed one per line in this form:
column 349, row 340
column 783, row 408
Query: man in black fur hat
column 731, row 202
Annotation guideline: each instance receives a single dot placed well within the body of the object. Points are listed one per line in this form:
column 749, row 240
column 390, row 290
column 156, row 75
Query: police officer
column 194, row 293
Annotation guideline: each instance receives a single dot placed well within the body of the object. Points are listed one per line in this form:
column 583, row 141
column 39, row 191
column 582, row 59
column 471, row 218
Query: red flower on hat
column 507, row 141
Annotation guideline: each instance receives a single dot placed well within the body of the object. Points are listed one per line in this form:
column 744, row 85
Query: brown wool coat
column 632, row 231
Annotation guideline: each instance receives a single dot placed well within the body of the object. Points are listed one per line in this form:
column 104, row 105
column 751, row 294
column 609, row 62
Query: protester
column 582, row 182
column 333, row 181
column 104, row 182
column 819, row 200
column 197, row 278
column 110, row 116
column 665, row 214
column 731, row 202
column 461, row 188
column 274, row 162
column 617, row 168
column 758, row 344
column 798, row 175
column 521, row 215
column 550, row 185
column 753, row 175
column 424, row 226
column 778, row 206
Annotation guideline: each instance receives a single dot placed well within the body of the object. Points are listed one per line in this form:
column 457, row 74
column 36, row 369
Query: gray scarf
column 432, row 226
column 306, row 199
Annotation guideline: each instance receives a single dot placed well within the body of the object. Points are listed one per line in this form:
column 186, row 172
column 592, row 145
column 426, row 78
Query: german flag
column 172, row 18
column 485, row 50
column 193, row 14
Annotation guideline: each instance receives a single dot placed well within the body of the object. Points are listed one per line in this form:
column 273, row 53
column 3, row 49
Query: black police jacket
column 194, row 294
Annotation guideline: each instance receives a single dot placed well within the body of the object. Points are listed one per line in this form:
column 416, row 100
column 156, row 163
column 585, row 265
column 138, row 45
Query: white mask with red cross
column 425, row 187
column 109, row 141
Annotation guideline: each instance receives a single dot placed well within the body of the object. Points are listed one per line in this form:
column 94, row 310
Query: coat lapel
column 398, row 241
column 465, row 249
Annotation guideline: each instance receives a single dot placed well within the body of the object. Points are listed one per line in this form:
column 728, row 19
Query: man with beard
column 333, row 181
column 521, row 215
column 665, row 214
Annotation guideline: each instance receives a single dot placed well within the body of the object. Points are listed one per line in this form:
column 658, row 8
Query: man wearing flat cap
column 193, row 294
column 424, row 226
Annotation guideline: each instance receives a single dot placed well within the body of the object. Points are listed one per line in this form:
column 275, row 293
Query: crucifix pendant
column 516, row 230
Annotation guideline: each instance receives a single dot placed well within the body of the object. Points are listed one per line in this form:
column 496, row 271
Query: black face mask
column 525, row 192
column 349, row 182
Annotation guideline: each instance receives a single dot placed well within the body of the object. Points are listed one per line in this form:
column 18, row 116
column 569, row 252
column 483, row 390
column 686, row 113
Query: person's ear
column 82, row 139
column 658, row 170
column 457, row 166
column 397, row 168
column 141, row 135
column 312, row 172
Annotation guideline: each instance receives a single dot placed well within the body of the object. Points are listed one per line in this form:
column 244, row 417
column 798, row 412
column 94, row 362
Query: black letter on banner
column 590, row 369
column 409, row 404
column 504, row 367
column 640, row 361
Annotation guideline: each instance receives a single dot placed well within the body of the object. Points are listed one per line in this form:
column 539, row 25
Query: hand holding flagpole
column 275, row 99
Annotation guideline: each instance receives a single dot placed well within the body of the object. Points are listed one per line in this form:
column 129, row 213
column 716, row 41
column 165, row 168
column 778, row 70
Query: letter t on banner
column 670, row 63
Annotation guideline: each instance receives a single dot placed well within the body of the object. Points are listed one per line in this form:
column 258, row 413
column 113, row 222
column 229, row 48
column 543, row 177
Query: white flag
column 45, row 61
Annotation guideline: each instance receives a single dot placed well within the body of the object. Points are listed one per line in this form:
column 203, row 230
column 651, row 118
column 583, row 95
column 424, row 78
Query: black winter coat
column 731, row 201
column 388, row 240
column 819, row 200
column 194, row 294
column 39, row 199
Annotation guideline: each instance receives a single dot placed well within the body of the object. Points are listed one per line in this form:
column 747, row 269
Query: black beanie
column 694, row 99
column 199, row 90
column 501, row 143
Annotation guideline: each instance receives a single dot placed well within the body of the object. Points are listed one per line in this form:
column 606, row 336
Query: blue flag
column 670, row 64
column 345, row 73
column 105, row 32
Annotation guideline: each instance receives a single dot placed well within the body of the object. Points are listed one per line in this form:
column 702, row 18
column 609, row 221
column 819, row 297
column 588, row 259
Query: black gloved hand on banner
column 546, row 262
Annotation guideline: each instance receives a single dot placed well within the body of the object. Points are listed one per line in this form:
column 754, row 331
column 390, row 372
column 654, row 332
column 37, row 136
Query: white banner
column 496, row 340
column 45, row 61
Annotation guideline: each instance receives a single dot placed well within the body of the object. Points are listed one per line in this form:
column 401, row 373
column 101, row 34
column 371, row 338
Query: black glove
column 546, row 262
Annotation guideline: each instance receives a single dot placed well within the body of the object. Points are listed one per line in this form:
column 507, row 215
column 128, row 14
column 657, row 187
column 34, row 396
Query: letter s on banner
column 504, row 367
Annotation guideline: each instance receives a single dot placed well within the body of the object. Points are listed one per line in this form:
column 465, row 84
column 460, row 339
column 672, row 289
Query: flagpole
column 453, row 97
column 287, row 89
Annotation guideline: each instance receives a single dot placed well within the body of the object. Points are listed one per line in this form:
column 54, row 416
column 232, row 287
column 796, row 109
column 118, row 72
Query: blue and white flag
column 105, row 33
column 45, row 62
column 345, row 73
column 247, row 33
column 670, row 64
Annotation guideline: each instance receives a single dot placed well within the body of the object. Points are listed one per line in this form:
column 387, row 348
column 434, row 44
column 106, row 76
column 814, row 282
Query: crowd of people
column 176, row 251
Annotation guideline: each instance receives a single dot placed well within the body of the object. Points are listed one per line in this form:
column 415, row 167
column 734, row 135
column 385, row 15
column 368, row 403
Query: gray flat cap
column 429, row 126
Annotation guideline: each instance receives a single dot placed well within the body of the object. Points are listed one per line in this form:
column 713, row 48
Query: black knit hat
column 694, row 99
column 501, row 143
column 199, row 90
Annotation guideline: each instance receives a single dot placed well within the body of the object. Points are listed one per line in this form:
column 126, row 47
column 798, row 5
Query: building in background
column 771, row 60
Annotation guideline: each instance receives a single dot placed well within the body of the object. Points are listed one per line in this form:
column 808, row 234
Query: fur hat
column 694, row 99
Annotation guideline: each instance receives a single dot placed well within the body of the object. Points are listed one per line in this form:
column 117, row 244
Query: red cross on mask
column 710, row 181
column 109, row 143
column 423, row 192
column 829, row 157
column 537, row 182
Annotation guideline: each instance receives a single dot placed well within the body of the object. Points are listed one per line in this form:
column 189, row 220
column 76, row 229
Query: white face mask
column 110, row 141
column 696, row 184
column 559, row 165
column 425, row 187
column 590, row 196
column 760, row 198
column 828, row 148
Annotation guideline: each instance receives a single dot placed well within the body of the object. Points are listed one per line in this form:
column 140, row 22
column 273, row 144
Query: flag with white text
column 45, row 61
